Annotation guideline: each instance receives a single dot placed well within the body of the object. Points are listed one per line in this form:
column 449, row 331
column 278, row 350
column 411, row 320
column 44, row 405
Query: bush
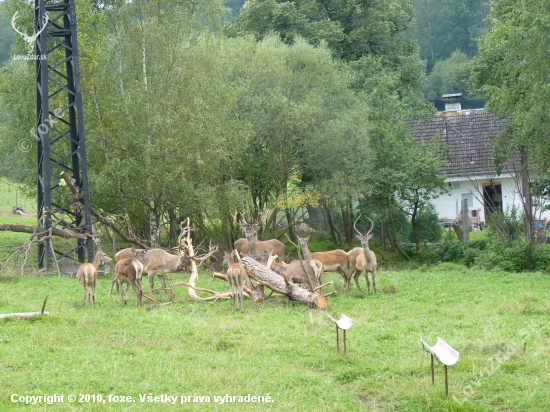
column 427, row 221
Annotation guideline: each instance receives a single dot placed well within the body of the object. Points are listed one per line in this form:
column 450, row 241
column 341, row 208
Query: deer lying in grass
column 362, row 258
column 87, row 275
column 294, row 272
column 236, row 276
column 159, row 262
column 333, row 260
column 130, row 271
column 254, row 246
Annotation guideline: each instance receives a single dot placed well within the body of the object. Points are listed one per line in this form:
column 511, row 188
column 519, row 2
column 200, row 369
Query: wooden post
column 446, row 382
column 465, row 222
column 433, row 373
column 344, row 341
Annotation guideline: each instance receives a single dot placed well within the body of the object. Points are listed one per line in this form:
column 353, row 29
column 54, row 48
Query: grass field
column 279, row 350
column 284, row 349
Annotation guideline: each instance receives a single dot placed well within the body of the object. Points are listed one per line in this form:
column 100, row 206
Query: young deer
column 236, row 276
column 362, row 258
column 333, row 260
column 295, row 273
column 87, row 275
column 128, row 253
column 130, row 271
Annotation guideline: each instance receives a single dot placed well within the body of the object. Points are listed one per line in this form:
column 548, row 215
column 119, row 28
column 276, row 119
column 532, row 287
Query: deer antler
column 359, row 233
column 371, row 225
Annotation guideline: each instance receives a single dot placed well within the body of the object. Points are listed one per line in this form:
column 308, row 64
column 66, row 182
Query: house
column 465, row 146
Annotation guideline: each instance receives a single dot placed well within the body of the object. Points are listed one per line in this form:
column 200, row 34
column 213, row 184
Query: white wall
column 448, row 206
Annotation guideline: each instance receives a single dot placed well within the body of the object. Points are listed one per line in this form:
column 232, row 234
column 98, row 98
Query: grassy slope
column 284, row 349
column 281, row 348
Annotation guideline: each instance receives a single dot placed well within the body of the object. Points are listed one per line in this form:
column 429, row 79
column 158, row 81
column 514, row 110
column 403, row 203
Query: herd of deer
column 132, row 263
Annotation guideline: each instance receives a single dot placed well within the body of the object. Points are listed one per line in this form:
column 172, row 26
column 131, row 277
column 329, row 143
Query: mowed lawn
column 281, row 349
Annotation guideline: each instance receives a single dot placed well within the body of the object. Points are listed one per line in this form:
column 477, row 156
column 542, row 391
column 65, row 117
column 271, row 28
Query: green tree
column 7, row 37
column 512, row 70
column 450, row 76
column 445, row 26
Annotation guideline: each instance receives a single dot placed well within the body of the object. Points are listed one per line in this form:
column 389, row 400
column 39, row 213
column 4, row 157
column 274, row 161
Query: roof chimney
column 452, row 105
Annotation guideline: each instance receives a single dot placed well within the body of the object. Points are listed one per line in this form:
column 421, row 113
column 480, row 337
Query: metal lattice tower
column 60, row 129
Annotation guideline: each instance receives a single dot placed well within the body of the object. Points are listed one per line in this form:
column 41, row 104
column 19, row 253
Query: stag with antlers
column 362, row 258
column 257, row 247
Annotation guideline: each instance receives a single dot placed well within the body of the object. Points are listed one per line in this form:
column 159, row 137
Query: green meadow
column 278, row 355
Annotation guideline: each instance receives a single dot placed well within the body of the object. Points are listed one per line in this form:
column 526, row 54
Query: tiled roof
column 466, row 134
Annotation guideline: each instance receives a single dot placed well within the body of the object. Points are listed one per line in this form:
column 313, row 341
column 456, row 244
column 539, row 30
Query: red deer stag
column 257, row 247
column 129, row 271
column 87, row 275
column 236, row 276
column 333, row 260
column 362, row 258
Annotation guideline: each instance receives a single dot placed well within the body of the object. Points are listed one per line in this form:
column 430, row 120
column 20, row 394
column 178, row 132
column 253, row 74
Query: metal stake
column 337, row 340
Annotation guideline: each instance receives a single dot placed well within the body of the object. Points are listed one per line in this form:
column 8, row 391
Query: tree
column 7, row 38
column 446, row 26
column 449, row 76
column 512, row 70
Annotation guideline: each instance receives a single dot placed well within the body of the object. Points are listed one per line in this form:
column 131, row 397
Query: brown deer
column 236, row 276
column 87, row 275
column 129, row 271
column 127, row 253
column 294, row 272
column 159, row 262
column 333, row 260
column 257, row 247
column 362, row 258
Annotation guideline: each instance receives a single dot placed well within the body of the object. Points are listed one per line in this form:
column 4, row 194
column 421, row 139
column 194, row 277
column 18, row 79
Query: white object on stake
column 343, row 323
column 445, row 355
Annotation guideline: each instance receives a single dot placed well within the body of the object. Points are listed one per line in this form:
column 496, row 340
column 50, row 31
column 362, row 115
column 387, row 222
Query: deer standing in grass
column 236, row 276
column 362, row 258
column 87, row 275
column 130, row 271
column 332, row 260
column 257, row 247
column 159, row 262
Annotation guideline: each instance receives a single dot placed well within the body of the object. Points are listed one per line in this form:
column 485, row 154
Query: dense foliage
column 302, row 122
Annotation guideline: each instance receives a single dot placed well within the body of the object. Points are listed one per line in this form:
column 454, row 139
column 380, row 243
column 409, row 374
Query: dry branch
column 26, row 315
column 75, row 190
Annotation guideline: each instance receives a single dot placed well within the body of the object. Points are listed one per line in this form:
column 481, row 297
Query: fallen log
column 277, row 283
column 26, row 315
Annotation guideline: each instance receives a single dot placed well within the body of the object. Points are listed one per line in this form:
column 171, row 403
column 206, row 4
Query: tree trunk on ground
column 267, row 277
